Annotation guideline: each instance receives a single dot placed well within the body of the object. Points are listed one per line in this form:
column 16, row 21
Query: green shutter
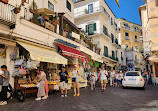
column 86, row 28
column 105, row 51
column 94, row 26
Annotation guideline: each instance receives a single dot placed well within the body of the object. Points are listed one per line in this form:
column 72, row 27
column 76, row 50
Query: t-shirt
column 103, row 74
column 62, row 76
column 6, row 80
column 112, row 74
column 1, row 80
column 121, row 75
column 117, row 76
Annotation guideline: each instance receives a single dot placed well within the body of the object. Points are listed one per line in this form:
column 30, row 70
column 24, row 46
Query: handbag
column 73, row 79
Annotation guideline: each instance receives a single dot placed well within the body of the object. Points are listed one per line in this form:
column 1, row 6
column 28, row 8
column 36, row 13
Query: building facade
column 149, row 19
column 96, row 19
column 53, row 39
column 130, row 40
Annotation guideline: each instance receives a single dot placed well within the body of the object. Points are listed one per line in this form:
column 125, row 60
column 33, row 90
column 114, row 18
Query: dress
column 41, row 89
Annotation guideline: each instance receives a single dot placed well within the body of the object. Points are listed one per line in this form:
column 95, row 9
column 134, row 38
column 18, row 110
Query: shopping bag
column 56, row 87
column 22, row 71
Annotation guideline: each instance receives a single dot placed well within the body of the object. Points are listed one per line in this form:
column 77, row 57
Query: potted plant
column 66, row 28
column 54, row 21
column 22, row 2
column 17, row 9
column 81, row 36
column 86, row 11
column 33, row 7
column 4, row 1
column 46, row 18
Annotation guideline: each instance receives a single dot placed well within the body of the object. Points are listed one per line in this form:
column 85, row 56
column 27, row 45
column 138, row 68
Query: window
column 50, row 6
column 68, row 5
column 116, row 53
column 126, row 34
column 126, row 25
column 90, row 8
column 113, row 54
column 105, row 51
column 136, row 38
column 105, row 30
column 112, row 38
column 132, row 74
column 111, row 21
column 91, row 28
column 126, row 46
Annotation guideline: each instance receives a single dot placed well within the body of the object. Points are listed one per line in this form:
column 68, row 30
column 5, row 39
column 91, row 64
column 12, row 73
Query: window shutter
column 86, row 28
column 94, row 26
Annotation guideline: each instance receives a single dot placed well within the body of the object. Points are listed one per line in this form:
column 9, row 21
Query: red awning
column 67, row 51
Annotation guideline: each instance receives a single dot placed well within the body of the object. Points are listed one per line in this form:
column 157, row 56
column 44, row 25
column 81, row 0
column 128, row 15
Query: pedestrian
column 75, row 80
column 1, row 82
column 63, row 81
column 5, row 84
column 150, row 78
column 41, row 85
column 92, row 79
column 112, row 74
column 46, row 88
column 103, row 73
column 145, row 77
column 116, row 79
column 121, row 77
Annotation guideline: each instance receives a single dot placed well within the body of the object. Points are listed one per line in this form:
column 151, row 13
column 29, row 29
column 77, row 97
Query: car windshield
column 132, row 74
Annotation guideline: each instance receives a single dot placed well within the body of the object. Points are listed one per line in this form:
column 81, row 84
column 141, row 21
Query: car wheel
column 20, row 95
column 124, row 87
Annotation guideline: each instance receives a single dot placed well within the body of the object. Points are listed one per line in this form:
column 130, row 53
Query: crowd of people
column 113, row 77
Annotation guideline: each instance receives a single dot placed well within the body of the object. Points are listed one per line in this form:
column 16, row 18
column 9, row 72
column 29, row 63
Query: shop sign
column 46, row 59
column 7, row 42
column 2, row 52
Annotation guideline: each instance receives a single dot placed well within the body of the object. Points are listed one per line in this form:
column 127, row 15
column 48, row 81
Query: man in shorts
column 103, row 73
column 63, row 82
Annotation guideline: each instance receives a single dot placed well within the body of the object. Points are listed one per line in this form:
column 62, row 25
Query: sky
column 128, row 9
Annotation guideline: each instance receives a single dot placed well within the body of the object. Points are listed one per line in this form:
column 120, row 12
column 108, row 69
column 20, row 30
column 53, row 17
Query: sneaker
column 62, row 96
column 38, row 99
column 66, row 95
column 74, row 94
column 3, row 103
column 78, row 94
column 45, row 97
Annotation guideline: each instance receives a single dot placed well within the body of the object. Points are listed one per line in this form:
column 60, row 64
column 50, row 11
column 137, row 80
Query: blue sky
column 128, row 9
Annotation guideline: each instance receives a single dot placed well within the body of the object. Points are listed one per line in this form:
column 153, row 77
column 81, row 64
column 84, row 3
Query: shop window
column 50, row 6
column 111, row 21
column 112, row 37
column 68, row 5
column 90, row 8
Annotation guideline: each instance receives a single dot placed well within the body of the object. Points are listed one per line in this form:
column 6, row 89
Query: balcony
column 7, row 15
column 95, row 10
column 127, row 38
column 136, row 40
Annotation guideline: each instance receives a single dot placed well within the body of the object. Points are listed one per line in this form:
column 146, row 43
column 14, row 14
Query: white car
column 133, row 79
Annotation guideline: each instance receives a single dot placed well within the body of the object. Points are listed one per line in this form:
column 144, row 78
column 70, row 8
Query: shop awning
column 42, row 54
column 67, row 51
column 153, row 58
column 97, row 59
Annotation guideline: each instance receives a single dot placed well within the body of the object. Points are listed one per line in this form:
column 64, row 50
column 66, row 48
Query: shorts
column 116, row 80
column 104, row 81
column 77, row 80
column 63, row 85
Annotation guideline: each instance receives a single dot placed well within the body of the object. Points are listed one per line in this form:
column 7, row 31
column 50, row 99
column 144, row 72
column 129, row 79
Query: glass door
column 90, row 8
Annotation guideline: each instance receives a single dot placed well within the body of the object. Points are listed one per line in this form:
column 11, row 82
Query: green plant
column 81, row 35
column 66, row 27
column 86, row 11
column 33, row 5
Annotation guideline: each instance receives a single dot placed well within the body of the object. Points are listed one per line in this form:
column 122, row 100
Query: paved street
column 115, row 99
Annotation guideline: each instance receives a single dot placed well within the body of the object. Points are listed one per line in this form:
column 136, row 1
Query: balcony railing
column 95, row 9
column 127, row 38
column 136, row 40
column 7, row 15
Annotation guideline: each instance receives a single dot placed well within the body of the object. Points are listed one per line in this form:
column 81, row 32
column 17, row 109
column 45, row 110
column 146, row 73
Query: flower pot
column 4, row 1
column 32, row 11
column 46, row 18
column 17, row 10
column 22, row 2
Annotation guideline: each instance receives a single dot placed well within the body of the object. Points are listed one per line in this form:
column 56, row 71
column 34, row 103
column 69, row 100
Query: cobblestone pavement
column 115, row 99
